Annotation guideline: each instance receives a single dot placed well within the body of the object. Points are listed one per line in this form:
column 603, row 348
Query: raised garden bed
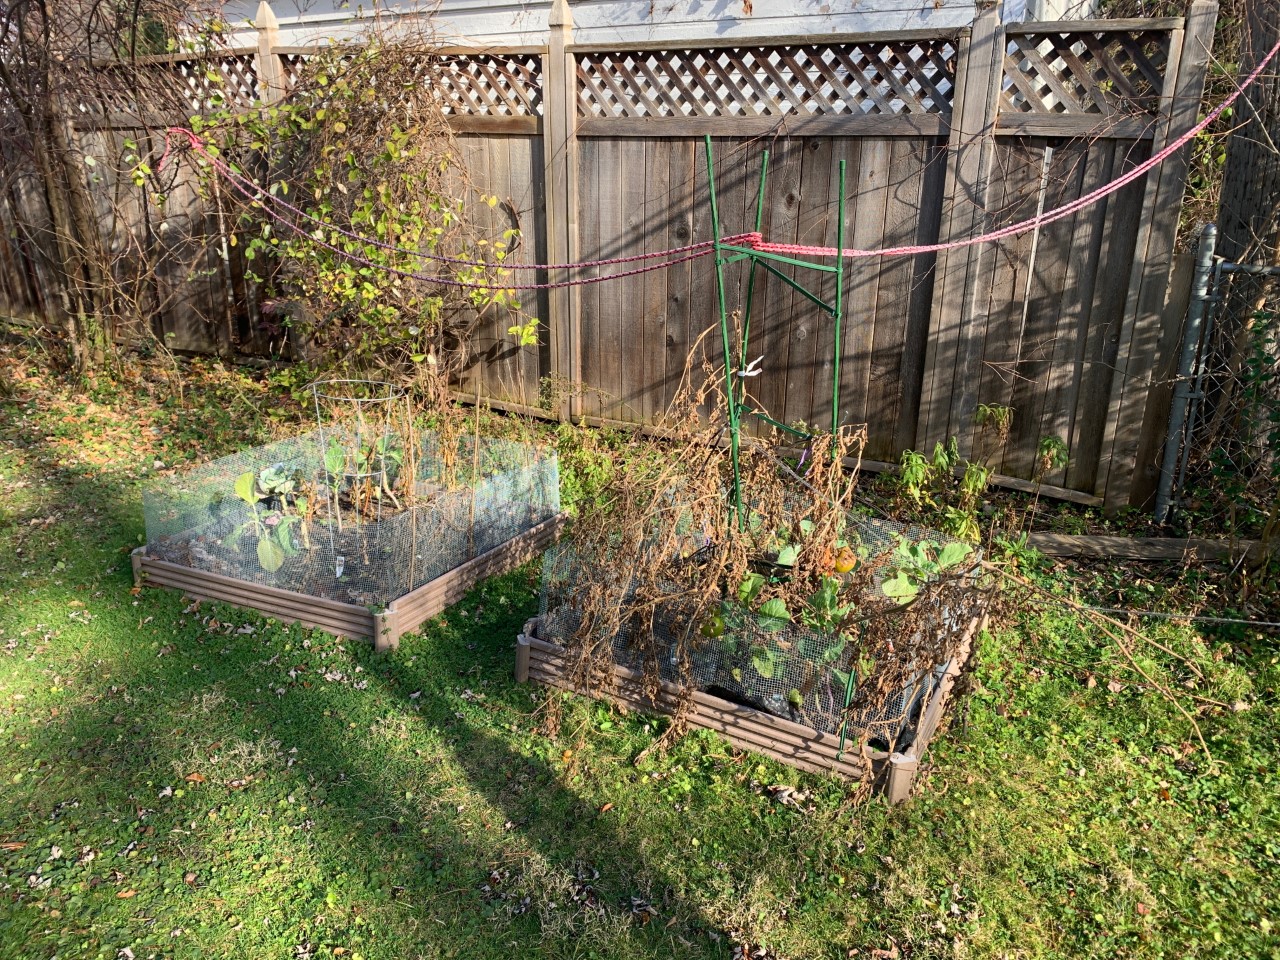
column 795, row 744
column 858, row 664
column 370, row 550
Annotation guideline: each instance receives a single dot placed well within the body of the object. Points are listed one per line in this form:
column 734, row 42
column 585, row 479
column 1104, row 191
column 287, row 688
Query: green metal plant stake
column 735, row 368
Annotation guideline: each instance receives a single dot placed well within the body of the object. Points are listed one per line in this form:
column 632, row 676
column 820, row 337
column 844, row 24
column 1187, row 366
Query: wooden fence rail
column 596, row 151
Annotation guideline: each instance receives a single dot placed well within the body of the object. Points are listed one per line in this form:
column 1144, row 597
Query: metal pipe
column 838, row 312
column 1248, row 268
column 1182, row 393
column 731, row 401
column 1212, row 303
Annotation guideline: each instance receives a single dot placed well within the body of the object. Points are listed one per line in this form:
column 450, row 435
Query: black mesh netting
column 787, row 670
column 299, row 527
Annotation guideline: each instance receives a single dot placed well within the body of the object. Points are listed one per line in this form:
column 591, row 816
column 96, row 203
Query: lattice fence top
column 1085, row 72
column 195, row 84
column 495, row 85
column 809, row 80
column 475, row 84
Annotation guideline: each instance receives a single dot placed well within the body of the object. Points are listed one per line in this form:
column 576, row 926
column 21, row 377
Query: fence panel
column 595, row 152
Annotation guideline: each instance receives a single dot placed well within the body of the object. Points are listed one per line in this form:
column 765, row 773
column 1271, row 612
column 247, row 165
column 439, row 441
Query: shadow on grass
column 283, row 793
column 216, row 785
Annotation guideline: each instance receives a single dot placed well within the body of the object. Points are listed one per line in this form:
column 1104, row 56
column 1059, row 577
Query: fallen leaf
column 1115, row 686
column 566, row 755
column 189, row 878
column 12, row 846
column 126, row 894
column 1143, row 909
column 606, row 808
column 194, row 778
column 1091, row 682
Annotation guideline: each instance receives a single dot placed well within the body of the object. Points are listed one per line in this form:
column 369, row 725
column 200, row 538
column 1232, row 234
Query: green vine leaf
column 774, row 615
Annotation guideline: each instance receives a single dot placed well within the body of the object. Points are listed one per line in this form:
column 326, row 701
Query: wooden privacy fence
column 597, row 153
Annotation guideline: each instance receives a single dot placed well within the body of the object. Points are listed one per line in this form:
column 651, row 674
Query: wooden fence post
column 271, row 83
column 1153, row 254
column 560, row 156
column 950, row 381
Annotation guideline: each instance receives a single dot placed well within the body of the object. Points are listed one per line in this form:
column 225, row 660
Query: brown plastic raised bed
column 384, row 627
column 792, row 743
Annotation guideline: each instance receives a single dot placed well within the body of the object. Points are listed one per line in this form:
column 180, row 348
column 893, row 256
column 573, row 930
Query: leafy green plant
column 361, row 147
column 526, row 333
column 1051, row 455
column 280, row 507
column 915, row 563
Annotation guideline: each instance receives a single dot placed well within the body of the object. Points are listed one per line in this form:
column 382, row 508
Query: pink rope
column 233, row 175
column 1049, row 216
column 465, row 284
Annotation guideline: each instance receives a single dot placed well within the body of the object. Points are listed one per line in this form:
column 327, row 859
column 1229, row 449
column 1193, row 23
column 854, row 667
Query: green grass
column 200, row 782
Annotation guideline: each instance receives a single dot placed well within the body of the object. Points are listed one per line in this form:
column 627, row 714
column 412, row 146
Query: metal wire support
column 736, row 368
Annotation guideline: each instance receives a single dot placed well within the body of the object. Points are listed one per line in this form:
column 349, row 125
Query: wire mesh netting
column 362, row 530
column 1230, row 477
column 783, row 668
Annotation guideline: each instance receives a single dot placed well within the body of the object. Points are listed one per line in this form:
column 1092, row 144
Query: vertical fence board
column 919, row 304
column 1123, row 213
column 654, row 235
column 810, row 327
column 1082, row 243
column 681, row 164
column 867, row 202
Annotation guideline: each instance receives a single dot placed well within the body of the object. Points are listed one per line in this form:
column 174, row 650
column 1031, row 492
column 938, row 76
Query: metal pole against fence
column 1183, row 392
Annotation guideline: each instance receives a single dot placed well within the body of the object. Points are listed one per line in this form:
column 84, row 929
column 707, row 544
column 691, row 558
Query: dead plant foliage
column 663, row 559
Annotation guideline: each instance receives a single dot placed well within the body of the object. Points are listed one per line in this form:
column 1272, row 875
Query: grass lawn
column 195, row 781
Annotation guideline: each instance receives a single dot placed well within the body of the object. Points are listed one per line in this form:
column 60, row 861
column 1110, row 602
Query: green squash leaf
column 764, row 661
column 774, row 615
column 952, row 554
column 900, row 588
column 750, row 587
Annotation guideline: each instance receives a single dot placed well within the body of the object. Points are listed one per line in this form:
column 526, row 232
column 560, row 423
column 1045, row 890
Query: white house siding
column 604, row 21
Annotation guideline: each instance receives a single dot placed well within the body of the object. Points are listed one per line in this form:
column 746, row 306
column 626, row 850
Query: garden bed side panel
column 410, row 611
column 385, row 628
column 791, row 743
column 904, row 766
column 343, row 619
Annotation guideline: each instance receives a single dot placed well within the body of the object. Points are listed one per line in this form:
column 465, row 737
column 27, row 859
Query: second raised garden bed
column 366, row 547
